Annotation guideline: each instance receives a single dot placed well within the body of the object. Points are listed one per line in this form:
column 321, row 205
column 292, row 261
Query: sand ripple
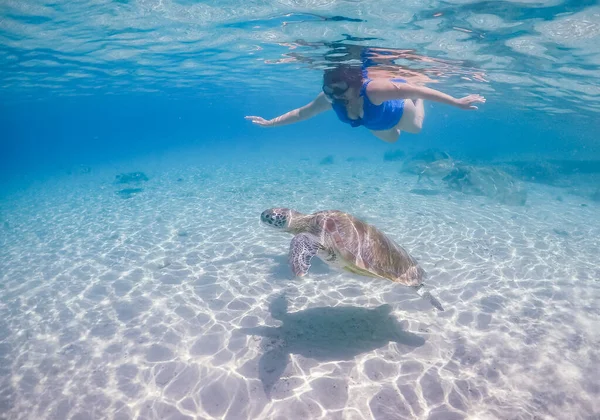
column 176, row 303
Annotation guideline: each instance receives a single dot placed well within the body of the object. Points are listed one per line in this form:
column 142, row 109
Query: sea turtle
column 345, row 242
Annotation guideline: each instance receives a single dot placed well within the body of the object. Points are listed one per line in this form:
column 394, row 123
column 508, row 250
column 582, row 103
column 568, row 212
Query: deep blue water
column 41, row 135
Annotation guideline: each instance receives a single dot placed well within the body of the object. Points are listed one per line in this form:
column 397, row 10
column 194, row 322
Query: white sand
column 176, row 303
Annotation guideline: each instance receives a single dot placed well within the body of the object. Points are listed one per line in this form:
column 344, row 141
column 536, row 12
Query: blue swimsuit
column 375, row 117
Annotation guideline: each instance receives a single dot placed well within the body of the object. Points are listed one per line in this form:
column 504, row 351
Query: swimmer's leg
column 413, row 116
column 420, row 114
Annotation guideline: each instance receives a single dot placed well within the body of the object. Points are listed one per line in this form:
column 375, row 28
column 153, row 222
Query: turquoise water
column 137, row 281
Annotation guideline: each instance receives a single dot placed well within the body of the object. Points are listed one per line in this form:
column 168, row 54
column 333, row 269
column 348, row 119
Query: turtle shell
column 363, row 249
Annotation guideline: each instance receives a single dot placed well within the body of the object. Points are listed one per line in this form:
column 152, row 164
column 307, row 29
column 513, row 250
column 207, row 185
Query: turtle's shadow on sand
column 282, row 270
column 325, row 334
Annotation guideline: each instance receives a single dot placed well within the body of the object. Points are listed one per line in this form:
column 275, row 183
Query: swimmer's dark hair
column 344, row 73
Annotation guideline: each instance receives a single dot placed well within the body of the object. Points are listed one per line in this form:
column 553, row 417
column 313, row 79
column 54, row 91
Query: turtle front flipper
column 303, row 248
column 425, row 294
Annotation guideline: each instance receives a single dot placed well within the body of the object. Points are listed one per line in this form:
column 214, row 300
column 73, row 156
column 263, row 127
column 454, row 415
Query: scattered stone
column 430, row 155
column 130, row 177
column 486, row 181
column 129, row 192
column 437, row 169
column 423, row 191
column 328, row 160
column 561, row 232
column 429, row 163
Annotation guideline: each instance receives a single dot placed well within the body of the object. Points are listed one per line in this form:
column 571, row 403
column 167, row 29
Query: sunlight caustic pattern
column 176, row 303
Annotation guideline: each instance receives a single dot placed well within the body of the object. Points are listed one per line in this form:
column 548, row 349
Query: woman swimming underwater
column 385, row 106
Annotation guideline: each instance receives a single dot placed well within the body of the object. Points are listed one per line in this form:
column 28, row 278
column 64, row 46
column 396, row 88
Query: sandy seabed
column 173, row 302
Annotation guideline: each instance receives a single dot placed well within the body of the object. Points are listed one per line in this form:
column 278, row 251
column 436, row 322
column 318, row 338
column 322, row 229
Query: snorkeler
column 385, row 106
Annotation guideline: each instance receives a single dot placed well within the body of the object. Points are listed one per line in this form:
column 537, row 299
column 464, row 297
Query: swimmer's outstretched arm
column 318, row 105
column 381, row 90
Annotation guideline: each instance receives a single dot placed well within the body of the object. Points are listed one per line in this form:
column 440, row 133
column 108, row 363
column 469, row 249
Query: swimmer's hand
column 468, row 101
column 260, row 121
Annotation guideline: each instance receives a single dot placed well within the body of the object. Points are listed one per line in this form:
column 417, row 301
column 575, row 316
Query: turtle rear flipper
column 425, row 294
column 303, row 248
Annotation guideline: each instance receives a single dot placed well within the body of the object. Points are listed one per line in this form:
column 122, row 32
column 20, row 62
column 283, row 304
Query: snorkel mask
column 336, row 93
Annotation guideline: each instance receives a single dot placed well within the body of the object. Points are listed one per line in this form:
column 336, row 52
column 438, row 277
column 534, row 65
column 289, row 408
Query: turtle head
column 278, row 218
